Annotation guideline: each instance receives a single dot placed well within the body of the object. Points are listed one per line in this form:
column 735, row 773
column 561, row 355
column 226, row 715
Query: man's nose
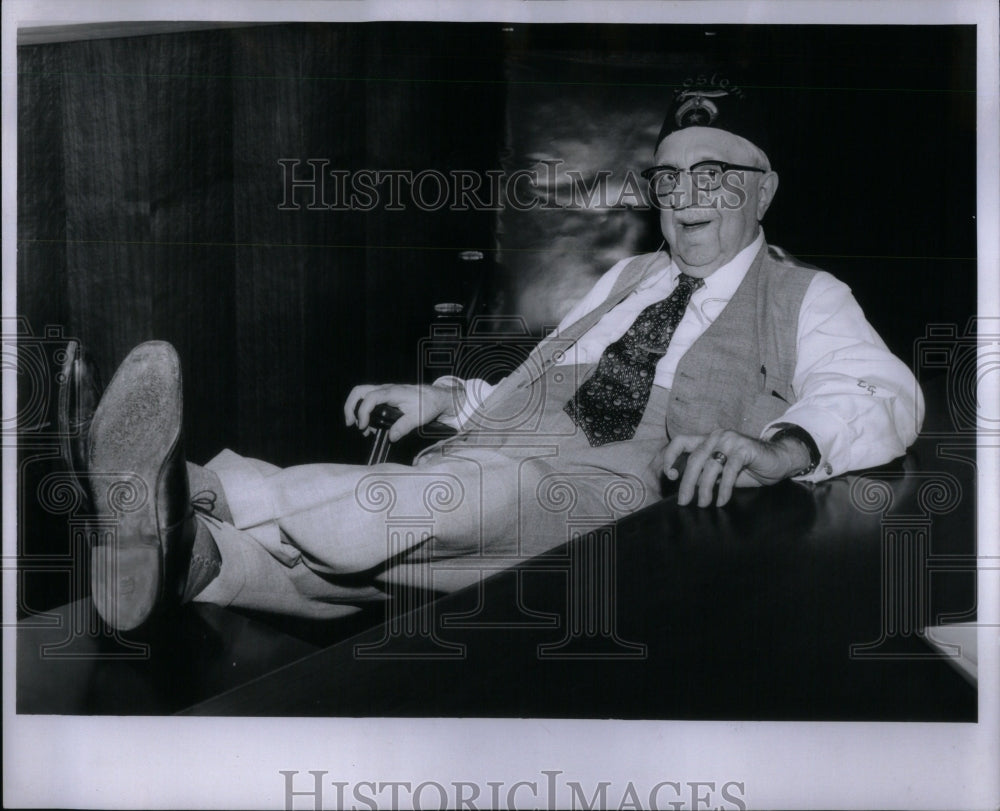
column 684, row 194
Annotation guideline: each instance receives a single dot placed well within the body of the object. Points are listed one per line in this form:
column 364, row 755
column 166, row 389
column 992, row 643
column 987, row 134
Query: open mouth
column 694, row 226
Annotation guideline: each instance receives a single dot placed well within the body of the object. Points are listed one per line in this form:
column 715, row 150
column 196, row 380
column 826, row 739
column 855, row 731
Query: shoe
column 140, row 489
column 79, row 393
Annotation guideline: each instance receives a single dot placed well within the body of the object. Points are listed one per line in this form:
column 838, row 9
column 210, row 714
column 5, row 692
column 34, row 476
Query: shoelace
column 204, row 501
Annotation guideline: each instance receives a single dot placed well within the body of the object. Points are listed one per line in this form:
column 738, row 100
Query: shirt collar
column 723, row 282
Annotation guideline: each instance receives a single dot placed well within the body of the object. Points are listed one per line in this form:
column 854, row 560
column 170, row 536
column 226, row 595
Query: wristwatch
column 787, row 429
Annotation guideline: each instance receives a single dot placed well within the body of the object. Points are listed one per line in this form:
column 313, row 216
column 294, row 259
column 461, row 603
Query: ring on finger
column 720, row 457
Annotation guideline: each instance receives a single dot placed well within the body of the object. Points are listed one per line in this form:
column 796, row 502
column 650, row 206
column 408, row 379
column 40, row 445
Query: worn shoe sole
column 134, row 437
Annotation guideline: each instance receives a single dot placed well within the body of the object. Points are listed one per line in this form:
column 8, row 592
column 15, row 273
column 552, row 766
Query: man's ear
column 765, row 193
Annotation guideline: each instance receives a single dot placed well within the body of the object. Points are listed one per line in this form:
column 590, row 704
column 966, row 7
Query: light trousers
column 319, row 540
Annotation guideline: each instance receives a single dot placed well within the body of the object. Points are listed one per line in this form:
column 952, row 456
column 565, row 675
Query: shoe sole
column 136, row 428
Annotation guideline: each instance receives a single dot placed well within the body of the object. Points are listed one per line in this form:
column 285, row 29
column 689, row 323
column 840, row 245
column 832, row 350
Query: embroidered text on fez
column 609, row 404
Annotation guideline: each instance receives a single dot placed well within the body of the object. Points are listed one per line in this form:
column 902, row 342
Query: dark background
column 149, row 186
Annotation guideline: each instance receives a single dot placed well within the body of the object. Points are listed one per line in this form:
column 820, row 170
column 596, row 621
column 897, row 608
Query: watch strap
column 787, row 429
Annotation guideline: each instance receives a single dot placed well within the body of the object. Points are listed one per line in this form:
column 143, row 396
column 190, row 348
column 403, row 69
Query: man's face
column 706, row 229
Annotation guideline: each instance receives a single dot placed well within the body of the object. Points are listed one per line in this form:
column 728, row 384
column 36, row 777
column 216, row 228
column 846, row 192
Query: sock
column 206, row 562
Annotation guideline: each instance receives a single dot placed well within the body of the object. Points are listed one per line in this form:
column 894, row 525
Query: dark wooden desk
column 792, row 603
column 782, row 606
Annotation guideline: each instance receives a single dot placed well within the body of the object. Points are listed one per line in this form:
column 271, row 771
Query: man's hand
column 419, row 404
column 744, row 462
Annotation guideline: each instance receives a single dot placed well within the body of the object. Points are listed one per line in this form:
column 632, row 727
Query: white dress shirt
column 859, row 402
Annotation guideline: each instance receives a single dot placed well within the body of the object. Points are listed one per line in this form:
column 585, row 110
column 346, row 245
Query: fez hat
column 713, row 100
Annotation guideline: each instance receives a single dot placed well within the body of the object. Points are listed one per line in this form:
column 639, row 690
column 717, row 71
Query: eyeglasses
column 705, row 176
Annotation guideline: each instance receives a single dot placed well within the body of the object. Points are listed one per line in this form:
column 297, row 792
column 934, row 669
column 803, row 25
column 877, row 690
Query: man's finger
column 689, row 481
column 355, row 398
column 402, row 427
column 729, row 474
column 371, row 399
column 352, row 401
column 706, row 481
column 692, row 473
column 677, row 446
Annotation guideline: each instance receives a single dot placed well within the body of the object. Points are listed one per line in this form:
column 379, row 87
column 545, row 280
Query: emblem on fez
column 695, row 108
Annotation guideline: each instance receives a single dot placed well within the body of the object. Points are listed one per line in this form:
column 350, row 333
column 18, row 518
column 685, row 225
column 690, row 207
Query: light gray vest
column 737, row 375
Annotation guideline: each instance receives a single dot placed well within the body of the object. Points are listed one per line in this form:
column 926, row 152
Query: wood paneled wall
column 149, row 194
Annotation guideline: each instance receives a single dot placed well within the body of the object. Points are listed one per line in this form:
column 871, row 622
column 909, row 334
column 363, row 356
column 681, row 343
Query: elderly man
column 721, row 348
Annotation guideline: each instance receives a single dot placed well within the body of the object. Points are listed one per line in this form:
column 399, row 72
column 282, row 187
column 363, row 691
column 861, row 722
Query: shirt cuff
column 467, row 395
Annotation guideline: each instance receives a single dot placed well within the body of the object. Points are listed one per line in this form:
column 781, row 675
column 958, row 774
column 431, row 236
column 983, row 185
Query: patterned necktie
column 609, row 404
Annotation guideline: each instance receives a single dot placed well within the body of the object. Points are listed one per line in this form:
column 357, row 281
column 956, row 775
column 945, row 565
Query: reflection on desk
column 68, row 662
